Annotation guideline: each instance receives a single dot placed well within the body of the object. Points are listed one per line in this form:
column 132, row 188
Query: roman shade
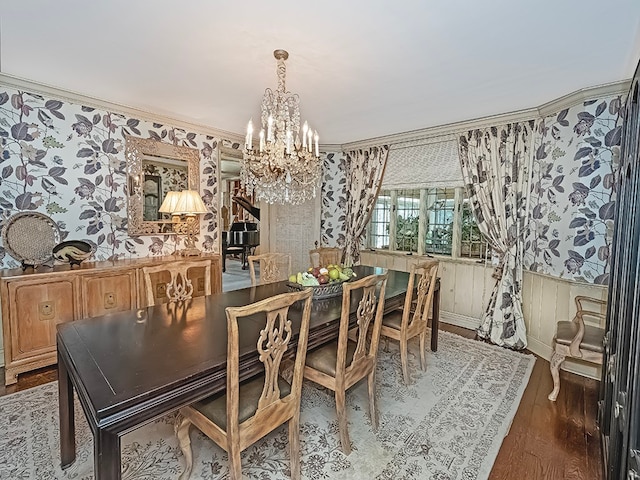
column 424, row 163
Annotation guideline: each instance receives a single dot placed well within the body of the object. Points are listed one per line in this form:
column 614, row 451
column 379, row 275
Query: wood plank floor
column 547, row 440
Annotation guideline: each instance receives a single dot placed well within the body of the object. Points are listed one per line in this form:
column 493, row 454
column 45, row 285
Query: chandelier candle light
column 282, row 170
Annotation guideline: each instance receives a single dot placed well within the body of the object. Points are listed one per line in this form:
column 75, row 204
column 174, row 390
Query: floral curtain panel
column 365, row 169
column 495, row 168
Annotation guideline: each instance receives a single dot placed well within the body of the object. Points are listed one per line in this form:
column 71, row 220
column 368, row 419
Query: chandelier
column 284, row 168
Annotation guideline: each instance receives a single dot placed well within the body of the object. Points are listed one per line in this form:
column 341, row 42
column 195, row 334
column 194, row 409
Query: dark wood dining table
column 130, row 368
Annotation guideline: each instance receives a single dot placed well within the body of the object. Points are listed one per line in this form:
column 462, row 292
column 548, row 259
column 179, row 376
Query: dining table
column 132, row 367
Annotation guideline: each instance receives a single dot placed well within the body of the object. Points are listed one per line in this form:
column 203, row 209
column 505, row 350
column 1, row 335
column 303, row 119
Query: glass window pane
column 379, row 224
column 439, row 231
column 472, row 242
column 407, row 219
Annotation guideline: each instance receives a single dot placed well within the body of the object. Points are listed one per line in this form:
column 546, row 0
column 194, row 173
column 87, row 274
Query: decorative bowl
column 73, row 251
column 328, row 290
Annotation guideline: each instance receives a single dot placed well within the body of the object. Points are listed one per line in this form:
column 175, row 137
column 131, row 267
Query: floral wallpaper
column 572, row 191
column 67, row 161
column 334, row 199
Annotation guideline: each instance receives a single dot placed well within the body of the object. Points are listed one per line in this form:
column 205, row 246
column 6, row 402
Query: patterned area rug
column 449, row 424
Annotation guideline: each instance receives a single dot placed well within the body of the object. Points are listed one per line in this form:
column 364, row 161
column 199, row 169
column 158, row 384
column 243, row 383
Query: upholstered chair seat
column 324, row 359
column 592, row 339
column 215, row 408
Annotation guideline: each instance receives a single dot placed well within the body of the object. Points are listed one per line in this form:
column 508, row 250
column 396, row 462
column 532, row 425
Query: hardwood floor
column 547, row 440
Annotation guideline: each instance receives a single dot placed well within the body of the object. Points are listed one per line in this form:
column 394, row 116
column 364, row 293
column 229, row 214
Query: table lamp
column 189, row 205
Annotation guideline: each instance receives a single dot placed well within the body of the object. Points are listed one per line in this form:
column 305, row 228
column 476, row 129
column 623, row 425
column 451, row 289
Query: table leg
column 435, row 320
column 67, row 420
column 106, row 455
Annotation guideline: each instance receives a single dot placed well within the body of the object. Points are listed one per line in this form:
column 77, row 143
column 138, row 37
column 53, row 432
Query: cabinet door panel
column 36, row 310
column 108, row 294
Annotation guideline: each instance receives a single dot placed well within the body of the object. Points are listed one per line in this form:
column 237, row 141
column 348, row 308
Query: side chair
column 323, row 256
column 340, row 365
column 179, row 287
column 575, row 339
column 411, row 320
column 249, row 410
column 274, row 267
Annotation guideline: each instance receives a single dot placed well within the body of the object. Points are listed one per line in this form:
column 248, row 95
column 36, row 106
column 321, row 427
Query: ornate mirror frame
column 138, row 149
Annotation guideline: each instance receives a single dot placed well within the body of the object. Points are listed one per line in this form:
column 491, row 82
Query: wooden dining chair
column 249, row 410
column 341, row 364
column 575, row 339
column 411, row 321
column 170, row 281
column 323, row 256
column 274, row 267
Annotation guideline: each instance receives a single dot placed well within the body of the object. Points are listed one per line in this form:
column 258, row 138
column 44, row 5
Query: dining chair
column 575, row 339
column 274, row 267
column 341, row 364
column 411, row 321
column 249, row 410
column 178, row 287
column 323, row 256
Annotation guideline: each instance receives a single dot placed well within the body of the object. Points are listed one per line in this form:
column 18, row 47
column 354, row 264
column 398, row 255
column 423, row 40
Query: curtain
column 495, row 164
column 365, row 169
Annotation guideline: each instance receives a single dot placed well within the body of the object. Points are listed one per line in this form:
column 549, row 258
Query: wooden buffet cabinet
column 35, row 301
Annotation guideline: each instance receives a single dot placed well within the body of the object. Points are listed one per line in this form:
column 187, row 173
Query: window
column 440, row 213
column 407, row 220
column 379, row 224
column 426, row 221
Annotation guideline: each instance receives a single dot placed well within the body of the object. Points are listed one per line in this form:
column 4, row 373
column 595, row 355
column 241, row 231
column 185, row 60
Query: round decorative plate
column 29, row 237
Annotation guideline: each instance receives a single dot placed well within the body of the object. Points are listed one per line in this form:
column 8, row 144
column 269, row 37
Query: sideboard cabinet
column 35, row 301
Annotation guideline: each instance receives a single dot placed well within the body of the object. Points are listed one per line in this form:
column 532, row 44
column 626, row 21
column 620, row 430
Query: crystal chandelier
column 284, row 168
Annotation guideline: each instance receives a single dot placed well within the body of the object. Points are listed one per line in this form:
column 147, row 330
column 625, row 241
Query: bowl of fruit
column 325, row 281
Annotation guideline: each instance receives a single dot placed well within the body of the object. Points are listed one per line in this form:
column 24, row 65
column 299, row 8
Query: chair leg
column 556, row 361
column 423, row 347
column 294, row 446
column 182, row 432
column 404, row 353
column 373, row 412
column 235, row 465
column 342, row 421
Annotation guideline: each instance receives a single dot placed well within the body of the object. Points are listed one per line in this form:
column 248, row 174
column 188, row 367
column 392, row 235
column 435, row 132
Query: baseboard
column 570, row 365
column 459, row 320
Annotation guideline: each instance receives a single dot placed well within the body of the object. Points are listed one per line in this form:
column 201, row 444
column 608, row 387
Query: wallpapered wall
column 334, row 199
column 572, row 194
column 67, row 161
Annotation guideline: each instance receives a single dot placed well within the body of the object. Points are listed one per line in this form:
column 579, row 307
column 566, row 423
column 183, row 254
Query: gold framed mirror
column 153, row 169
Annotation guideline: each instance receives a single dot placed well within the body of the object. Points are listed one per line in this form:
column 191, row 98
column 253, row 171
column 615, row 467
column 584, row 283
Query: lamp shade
column 170, row 202
column 190, row 203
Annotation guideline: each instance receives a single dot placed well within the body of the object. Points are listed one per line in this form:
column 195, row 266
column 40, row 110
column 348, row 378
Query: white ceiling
column 362, row 68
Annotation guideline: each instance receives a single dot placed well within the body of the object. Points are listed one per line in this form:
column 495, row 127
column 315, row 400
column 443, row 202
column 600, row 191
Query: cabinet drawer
column 35, row 310
column 108, row 294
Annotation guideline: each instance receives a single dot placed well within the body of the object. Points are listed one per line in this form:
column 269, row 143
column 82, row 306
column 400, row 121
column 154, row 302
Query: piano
column 242, row 237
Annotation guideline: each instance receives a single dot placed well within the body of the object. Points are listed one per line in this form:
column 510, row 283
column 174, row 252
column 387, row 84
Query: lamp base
column 190, row 252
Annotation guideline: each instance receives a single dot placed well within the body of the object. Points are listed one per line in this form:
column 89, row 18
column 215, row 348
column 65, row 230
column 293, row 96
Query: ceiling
column 362, row 68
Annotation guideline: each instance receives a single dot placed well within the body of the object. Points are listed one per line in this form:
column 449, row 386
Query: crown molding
column 582, row 95
column 431, row 133
column 89, row 101
column 554, row 106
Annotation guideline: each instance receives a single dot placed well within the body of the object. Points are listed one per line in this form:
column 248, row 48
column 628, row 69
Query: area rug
column 448, row 424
